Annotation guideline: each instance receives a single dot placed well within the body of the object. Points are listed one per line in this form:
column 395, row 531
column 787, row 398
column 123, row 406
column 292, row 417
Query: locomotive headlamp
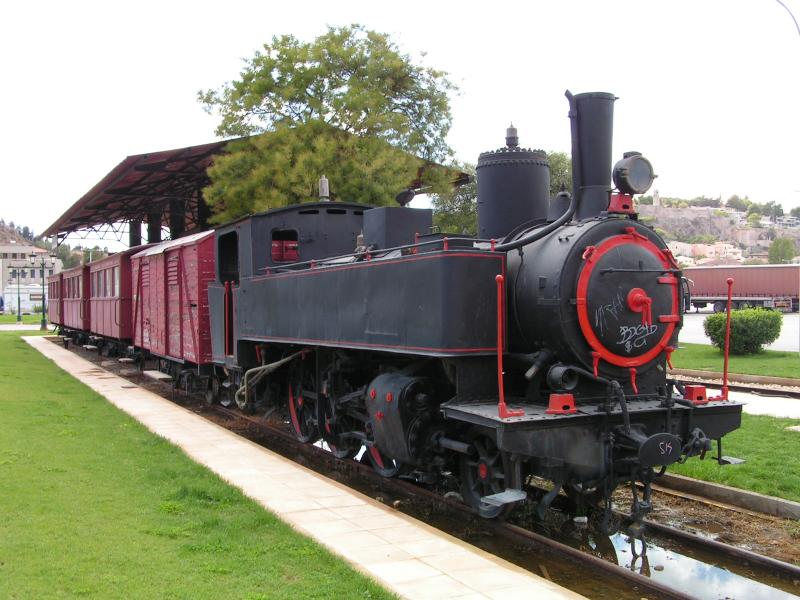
column 633, row 174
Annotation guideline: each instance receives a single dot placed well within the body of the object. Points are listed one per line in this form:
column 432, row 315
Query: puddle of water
column 700, row 579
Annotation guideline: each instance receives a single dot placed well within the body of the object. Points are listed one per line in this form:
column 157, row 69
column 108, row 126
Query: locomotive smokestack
column 592, row 123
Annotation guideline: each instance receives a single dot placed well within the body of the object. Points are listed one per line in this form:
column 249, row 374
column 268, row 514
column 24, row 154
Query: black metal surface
column 592, row 121
column 409, row 304
column 392, row 226
column 542, row 299
column 513, row 188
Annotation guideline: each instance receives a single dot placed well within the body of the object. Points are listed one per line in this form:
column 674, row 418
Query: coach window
column 284, row 245
column 228, row 253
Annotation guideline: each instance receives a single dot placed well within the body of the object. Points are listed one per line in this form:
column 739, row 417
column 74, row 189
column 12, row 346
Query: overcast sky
column 708, row 90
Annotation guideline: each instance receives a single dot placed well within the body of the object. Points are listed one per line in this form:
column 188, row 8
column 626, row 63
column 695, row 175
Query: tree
column 754, row 219
column 795, row 212
column 348, row 105
column 457, row 211
column 560, row 172
column 782, row 251
column 737, row 203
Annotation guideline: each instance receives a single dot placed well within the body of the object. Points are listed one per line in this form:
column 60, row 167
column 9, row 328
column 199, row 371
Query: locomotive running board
column 508, row 496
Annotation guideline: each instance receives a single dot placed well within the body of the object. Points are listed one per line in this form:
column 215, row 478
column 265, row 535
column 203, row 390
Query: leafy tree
column 795, row 212
column 737, row 203
column 348, row 105
column 560, row 172
column 645, row 200
column 782, row 251
column 703, row 201
column 457, row 211
column 754, row 219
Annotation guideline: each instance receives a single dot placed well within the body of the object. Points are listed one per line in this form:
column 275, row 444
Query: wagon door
column 145, row 311
column 173, row 318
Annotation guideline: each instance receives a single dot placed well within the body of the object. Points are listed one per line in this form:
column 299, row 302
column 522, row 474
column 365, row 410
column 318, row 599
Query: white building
column 21, row 282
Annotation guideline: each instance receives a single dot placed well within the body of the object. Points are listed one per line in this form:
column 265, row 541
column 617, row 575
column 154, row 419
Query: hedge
column 751, row 329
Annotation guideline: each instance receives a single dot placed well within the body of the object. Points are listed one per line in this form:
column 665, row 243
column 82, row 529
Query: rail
column 370, row 254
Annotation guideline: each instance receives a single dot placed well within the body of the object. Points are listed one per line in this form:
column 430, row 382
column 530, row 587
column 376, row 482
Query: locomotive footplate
column 575, row 437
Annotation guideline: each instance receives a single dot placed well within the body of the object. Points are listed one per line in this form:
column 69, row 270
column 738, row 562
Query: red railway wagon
column 110, row 296
column 54, row 304
column 770, row 286
column 75, row 308
column 170, row 308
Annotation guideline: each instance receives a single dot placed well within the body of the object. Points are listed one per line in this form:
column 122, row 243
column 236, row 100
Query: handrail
column 444, row 241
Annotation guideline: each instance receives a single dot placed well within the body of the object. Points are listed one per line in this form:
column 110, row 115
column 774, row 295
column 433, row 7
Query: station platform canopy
column 163, row 189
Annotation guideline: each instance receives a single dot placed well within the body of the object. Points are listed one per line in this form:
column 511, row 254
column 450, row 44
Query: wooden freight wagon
column 54, row 304
column 170, row 307
column 110, row 297
column 75, row 307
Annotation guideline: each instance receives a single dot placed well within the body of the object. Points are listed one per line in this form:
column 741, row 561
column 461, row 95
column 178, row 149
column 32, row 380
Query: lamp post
column 44, row 263
column 16, row 274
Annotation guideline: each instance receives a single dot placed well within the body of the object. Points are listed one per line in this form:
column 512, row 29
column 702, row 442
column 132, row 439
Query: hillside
column 11, row 234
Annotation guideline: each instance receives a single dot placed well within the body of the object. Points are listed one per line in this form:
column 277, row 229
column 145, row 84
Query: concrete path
column 19, row 327
column 774, row 406
column 405, row 555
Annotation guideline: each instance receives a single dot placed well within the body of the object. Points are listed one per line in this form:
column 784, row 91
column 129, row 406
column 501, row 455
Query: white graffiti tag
column 607, row 311
column 635, row 336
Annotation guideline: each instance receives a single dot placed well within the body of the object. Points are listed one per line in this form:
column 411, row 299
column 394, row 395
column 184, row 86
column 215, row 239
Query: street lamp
column 15, row 273
column 44, row 263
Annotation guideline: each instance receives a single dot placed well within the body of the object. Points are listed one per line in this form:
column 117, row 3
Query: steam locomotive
column 538, row 348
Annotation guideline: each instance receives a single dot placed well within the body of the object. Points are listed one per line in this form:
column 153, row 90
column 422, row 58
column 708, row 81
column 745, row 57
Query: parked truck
column 768, row 286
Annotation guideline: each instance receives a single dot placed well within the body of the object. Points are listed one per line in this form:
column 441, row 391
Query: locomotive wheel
column 383, row 465
column 303, row 416
column 344, row 448
column 483, row 474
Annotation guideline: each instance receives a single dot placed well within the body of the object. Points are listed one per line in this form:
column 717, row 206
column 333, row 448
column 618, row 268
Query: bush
column 750, row 329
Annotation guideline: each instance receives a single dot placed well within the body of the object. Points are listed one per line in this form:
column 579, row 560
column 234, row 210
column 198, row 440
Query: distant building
column 20, row 280
column 787, row 221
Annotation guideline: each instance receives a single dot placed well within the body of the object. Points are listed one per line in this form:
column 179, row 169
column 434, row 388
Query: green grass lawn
column 93, row 505
column 766, row 362
column 771, row 452
column 8, row 319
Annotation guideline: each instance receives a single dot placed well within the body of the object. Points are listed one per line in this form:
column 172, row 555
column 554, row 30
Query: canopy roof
column 167, row 183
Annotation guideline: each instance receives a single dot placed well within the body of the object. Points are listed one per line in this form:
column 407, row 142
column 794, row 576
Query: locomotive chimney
column 592, row 124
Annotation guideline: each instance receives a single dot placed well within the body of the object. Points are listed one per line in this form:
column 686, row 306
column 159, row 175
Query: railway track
column 737, row 559
column 744, row 388
column 532, row 550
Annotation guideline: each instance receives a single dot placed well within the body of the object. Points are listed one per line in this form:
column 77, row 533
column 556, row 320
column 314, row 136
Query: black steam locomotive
column 537, row 349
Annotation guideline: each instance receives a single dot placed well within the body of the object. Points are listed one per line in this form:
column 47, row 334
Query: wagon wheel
column 212, row 392
column 483, row 473
column 302, row 407
column 383, row 464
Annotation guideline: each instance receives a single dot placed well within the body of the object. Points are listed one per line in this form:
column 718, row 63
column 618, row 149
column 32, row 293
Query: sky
column 708, row 90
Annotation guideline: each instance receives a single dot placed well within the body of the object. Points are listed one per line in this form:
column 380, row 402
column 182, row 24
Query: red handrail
column 502, row 408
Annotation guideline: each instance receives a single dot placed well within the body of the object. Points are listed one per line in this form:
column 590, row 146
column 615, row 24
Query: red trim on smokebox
column 591, row 255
